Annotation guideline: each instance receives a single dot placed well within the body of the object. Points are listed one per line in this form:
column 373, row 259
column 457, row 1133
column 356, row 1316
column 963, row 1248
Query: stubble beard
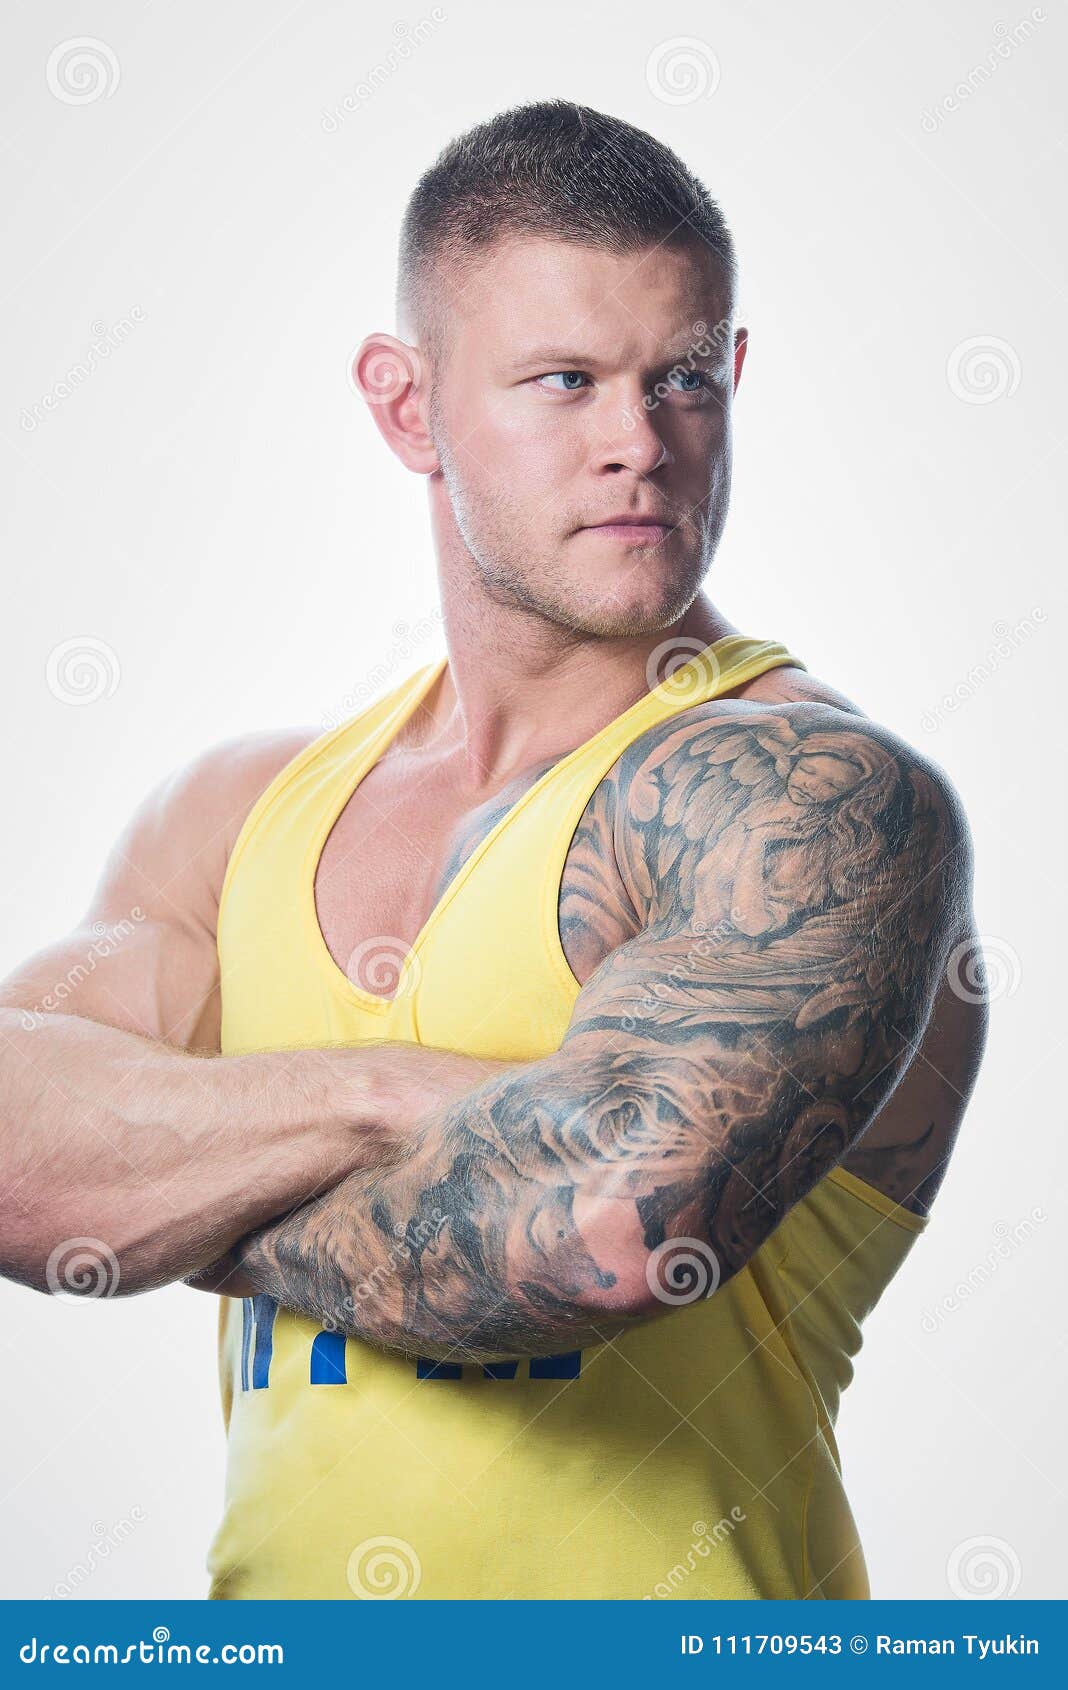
column 513, row 576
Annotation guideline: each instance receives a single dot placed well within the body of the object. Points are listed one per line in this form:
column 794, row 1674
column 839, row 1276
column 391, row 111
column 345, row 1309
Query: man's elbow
column 636, row 1281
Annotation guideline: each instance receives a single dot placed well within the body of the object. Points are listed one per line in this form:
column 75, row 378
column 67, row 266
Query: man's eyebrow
column 555, row 356
column 698, row 351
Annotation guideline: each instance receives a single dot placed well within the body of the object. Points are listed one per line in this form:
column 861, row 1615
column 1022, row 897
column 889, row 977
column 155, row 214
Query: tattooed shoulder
column 744, row 817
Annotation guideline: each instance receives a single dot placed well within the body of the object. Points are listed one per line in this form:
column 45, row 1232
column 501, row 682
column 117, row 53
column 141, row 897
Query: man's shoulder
column 785, row 710
column 789, row 684
column 777, row 695
column 778, row 777
column 193, row 817
column 693, row 744
column 226, row 779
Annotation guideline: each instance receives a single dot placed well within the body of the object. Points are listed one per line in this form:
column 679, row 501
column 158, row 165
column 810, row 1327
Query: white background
column 213, row 504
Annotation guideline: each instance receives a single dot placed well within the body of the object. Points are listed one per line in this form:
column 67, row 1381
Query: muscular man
column 548, row 1069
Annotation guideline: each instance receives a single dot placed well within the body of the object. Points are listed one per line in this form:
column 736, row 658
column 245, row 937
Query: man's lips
column 633, row 529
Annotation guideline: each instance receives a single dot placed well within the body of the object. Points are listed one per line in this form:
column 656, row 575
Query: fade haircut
column 554, row 169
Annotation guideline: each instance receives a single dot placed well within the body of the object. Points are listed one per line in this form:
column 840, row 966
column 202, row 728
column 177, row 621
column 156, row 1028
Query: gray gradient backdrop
column 203, row 535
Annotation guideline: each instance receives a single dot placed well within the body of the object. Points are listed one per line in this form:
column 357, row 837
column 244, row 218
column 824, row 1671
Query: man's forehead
column 538, row 293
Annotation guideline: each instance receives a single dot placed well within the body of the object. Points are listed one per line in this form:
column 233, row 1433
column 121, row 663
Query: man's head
column 566, row 299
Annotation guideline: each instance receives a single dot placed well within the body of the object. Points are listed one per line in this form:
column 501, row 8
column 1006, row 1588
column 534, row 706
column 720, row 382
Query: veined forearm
column 163, row 1158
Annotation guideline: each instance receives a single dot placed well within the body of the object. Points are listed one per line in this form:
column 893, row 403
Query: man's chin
column 635, row 589
column 617, row 617
column 637, row 606
column 637, row 593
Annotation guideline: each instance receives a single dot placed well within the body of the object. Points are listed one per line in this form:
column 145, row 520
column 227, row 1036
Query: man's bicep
column 143, row 957
column 800, row 909
column 134, row 972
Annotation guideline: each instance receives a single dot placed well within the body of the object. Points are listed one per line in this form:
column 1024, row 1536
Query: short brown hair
column 557, row 169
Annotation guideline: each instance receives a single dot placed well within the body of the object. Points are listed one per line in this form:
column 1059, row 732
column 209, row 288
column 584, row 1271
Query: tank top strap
column 326, row 760
column 715, row 669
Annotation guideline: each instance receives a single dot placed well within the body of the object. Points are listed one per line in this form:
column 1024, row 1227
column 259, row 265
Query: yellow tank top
column 693, row 1457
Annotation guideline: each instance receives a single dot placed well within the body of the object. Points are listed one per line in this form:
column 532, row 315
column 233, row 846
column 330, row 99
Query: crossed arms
column 801, row 877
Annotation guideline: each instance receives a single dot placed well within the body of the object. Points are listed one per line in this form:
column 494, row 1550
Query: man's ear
column 392, row 377
column 741, row 341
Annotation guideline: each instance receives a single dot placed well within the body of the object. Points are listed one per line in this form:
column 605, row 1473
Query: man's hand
column 801, row 876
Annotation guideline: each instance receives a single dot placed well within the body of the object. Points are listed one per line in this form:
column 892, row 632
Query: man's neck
column 519, row 689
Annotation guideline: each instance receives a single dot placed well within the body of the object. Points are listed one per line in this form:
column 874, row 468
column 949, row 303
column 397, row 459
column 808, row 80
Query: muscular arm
column 128, row 1158
column 801, row 878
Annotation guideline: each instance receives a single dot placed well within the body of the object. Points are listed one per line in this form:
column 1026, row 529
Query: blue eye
column 571, row 379
column 688, row 376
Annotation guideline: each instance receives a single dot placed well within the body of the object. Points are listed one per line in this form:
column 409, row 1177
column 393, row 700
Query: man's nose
column 628, row 436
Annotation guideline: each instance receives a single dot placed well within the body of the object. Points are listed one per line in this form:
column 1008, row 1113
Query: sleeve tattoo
column 801, row 876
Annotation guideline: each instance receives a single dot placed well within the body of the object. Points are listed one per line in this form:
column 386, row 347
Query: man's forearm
column 165, row 1159
column 499, row 1232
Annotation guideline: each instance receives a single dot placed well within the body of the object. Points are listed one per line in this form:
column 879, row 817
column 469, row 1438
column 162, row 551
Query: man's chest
column 404, row 837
